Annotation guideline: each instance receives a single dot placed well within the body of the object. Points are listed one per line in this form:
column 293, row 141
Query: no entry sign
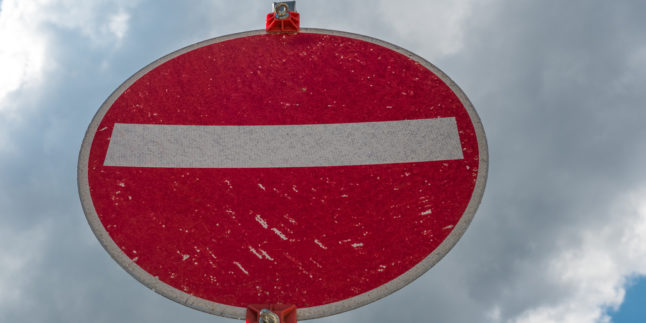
column 321, row 169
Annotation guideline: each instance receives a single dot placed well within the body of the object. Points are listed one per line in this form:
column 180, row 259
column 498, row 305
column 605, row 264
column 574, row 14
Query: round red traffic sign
column 321, row 169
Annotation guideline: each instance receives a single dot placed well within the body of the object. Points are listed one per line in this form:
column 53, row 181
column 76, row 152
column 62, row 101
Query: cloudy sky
column 559, row 85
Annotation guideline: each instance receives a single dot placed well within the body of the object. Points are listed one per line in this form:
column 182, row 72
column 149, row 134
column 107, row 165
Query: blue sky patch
column 633, row 309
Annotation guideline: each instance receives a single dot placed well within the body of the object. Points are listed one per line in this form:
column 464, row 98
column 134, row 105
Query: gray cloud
column 558, row 86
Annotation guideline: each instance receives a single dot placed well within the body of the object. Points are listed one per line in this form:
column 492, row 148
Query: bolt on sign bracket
column 266, row 313
column 284, row 18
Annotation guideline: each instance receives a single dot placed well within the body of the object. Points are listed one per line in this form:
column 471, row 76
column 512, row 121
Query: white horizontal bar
column 345, row 144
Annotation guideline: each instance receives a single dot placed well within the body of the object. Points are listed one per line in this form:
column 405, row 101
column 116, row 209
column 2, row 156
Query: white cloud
column 103, row 22
column 595, row 273
column 118, row 25
column 441, row 23
column 25, row 32
column 22, row 54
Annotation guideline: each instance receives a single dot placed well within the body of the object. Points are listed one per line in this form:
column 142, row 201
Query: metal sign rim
column 235, row 312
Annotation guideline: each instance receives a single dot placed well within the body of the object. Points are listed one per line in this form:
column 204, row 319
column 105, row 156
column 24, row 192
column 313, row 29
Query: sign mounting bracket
column 266, row 313
column 283, row 18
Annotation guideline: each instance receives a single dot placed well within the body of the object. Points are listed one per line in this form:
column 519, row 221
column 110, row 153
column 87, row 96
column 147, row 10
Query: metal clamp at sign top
column 283, row 18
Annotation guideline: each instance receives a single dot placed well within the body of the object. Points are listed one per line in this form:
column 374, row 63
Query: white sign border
column 235, row 312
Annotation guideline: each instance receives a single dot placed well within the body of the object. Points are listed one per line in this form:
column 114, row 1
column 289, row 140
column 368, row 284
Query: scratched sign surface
column 319, row 169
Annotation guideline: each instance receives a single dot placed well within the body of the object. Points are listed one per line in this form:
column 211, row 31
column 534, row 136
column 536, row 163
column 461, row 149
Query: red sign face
column 319, row 169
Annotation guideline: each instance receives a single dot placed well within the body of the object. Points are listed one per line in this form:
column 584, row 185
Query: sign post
column 321, row 169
